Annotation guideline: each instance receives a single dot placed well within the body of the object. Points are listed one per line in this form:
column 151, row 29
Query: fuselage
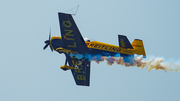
column 80, row 52
column 94, row 48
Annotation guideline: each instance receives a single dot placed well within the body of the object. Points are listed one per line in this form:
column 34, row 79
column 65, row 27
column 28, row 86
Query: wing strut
column 72, row 10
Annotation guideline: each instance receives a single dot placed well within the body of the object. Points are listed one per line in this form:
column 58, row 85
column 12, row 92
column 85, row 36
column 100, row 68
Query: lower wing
column 82, row 72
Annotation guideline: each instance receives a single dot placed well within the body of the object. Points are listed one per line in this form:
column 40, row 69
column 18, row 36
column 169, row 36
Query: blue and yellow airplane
column 71, row 42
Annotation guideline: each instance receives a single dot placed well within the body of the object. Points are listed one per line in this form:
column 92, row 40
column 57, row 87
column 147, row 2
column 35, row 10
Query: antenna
column 72, row 10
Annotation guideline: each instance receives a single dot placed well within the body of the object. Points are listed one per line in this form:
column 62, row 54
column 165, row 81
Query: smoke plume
column 151, row 63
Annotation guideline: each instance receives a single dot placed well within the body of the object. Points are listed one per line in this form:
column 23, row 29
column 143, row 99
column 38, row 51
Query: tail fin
column 124, row 42
column 139, row 47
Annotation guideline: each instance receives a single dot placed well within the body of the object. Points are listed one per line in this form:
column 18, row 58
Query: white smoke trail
column 158, row 63
column 151, row 63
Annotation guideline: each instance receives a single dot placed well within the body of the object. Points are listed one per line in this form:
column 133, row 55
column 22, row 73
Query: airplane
column 72, row 42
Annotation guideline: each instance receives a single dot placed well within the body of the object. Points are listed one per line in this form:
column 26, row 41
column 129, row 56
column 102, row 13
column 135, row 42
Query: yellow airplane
column 78, row 51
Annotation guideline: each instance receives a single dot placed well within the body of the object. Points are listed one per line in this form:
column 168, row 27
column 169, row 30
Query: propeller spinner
column 47, row 42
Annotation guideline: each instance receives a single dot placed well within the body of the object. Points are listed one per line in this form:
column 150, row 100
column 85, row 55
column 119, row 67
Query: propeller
column 47, row 42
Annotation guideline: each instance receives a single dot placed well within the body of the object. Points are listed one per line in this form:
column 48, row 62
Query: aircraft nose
column 56, row 43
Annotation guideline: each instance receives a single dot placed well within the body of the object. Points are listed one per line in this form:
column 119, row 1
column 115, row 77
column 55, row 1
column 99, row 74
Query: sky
column 29, row 73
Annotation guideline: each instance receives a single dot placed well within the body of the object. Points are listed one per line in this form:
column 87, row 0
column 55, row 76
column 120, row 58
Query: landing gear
column 66, row 67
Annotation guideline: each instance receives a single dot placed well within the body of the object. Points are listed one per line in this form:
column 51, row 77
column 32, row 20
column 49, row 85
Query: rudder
column 138, row 47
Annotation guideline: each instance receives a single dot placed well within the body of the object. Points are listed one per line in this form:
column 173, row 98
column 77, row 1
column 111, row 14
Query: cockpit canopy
column 89, row 39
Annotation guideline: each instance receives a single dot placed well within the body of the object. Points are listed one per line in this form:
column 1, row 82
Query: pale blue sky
column 28, row 73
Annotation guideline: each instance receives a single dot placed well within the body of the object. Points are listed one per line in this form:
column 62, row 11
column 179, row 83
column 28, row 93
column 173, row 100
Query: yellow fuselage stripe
column 108, row 47
column 103, row 46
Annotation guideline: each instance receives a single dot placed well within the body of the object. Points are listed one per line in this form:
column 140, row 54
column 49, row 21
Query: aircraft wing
column 82, row 73
column 71, row 37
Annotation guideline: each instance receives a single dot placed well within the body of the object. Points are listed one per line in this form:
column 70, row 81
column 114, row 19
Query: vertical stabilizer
column 138, row 47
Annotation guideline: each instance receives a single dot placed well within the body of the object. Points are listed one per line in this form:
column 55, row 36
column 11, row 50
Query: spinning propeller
column 47, row 42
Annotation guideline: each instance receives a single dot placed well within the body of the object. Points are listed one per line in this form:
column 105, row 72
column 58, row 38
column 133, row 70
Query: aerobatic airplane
column 71, row 42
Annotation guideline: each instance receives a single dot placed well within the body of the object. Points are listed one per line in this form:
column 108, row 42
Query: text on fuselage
column 103, row 47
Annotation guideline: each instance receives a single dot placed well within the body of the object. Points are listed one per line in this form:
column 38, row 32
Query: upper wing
column 82, row 73
column 71, row 36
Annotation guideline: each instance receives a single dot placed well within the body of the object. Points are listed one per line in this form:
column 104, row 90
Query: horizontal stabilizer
column 124, row 42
